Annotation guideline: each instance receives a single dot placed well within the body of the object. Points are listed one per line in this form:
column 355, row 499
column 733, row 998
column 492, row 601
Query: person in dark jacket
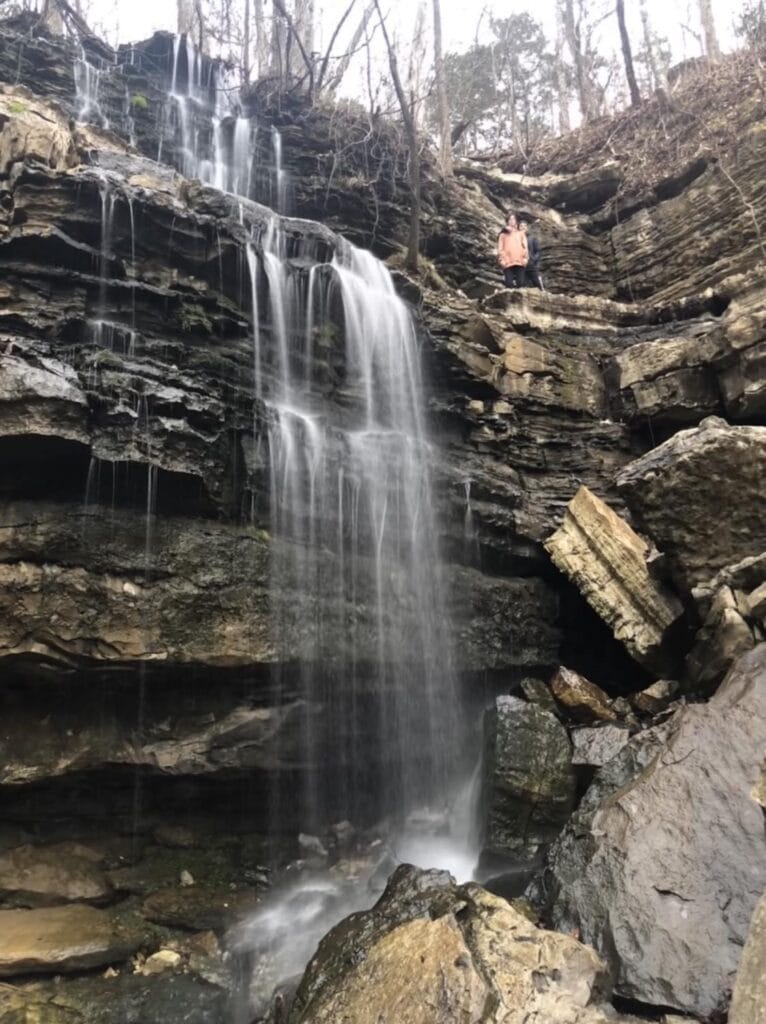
column 532, row 270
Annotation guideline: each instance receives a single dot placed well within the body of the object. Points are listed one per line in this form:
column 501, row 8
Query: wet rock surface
column 529, row 783
column 430, row 951
column 672, row 924
column 68, row 938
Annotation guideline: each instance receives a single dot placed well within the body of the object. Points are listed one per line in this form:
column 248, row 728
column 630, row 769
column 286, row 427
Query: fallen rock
column 662, row 865
column 748, row 1000
column 529, row 783
column 606, row 560
column 595, row 746
column 538, row 692
column 438, row 953
column 655, row 698
column 724, row 637
column 58, row 939
column 39, row 876
column 582, row 698
column 675, row 493
column 162, row 960
column 198, row 907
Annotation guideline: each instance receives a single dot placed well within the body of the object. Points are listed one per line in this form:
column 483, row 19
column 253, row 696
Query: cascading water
column 87, row 81
column 337, row 375
column 341, row 476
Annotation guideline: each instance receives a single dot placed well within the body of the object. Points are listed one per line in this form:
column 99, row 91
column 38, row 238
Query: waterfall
column 87, row 82
column 340, row 475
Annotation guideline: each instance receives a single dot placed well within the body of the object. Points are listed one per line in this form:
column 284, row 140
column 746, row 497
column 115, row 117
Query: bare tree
column 411, row 130
column 712, row 49
column 657, row 78
column 627, row 56
column 445, row 132
column 345, row 60
column 561, row 73
column 573, row 34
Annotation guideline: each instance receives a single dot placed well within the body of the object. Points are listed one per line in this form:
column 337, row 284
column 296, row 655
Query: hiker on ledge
column 532, row 273
column 512, row 254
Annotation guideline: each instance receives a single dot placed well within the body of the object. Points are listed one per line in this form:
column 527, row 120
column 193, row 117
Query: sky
column 139, row 18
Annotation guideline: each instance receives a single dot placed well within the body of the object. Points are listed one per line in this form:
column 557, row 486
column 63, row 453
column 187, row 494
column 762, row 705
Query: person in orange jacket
column 512, row 253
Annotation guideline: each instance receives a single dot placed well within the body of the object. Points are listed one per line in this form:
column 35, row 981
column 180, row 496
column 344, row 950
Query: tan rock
column 59, row 939
column 583, row 698
column 757, row 602
column 606, row 560
column 748, row 999
column 725, row 636
column 419, row 973
column 656, row 697
column 440, row 954
column 568, row 381
column 46, row 875
column 162, row 960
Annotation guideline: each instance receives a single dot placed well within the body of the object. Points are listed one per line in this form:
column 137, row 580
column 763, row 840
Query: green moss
column 17, row 107
column 106, row 359
column 139, row 102
column 193, row 319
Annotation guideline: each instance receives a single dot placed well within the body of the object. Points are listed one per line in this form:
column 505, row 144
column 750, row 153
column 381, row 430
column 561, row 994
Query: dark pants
column 532, row 277
column 514, row 277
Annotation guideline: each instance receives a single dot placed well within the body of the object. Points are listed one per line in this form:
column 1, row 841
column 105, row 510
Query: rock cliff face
column 138, row 559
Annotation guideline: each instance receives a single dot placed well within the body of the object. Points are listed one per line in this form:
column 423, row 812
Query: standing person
column 532, row 271
column 512, row 253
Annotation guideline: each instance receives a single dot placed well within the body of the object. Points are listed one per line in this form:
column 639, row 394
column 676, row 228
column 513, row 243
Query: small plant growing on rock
column 192, row 319
column 139, row 102
column 16, row 107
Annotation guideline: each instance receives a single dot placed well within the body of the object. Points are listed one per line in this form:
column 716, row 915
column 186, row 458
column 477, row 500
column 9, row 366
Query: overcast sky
column 139, row 18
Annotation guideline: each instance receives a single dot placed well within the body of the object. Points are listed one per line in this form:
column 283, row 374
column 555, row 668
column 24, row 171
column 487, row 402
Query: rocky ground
column 600, row 466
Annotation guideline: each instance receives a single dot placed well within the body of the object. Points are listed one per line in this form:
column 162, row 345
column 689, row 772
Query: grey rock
column 596, row 746
column 662, row 874
column 529, row 783
column 724, row 637
column 675, row 492
column 748, row 1000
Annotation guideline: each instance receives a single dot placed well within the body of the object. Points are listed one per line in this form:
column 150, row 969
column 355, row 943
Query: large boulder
column 56, row 939
column 662, row 865
column 606, row 560
column 43, row 876
column 699, row 496
column 529, row 784
column 430, row 952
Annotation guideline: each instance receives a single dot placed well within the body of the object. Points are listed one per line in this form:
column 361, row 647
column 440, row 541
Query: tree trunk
column 627, row 56
column 262, row 41
column 343, row 64
column 245, row 70
column 560, row 72
column 651, row 53
column 445, row 133
column 712, row 49
column 574, row 40
column 413, row 245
